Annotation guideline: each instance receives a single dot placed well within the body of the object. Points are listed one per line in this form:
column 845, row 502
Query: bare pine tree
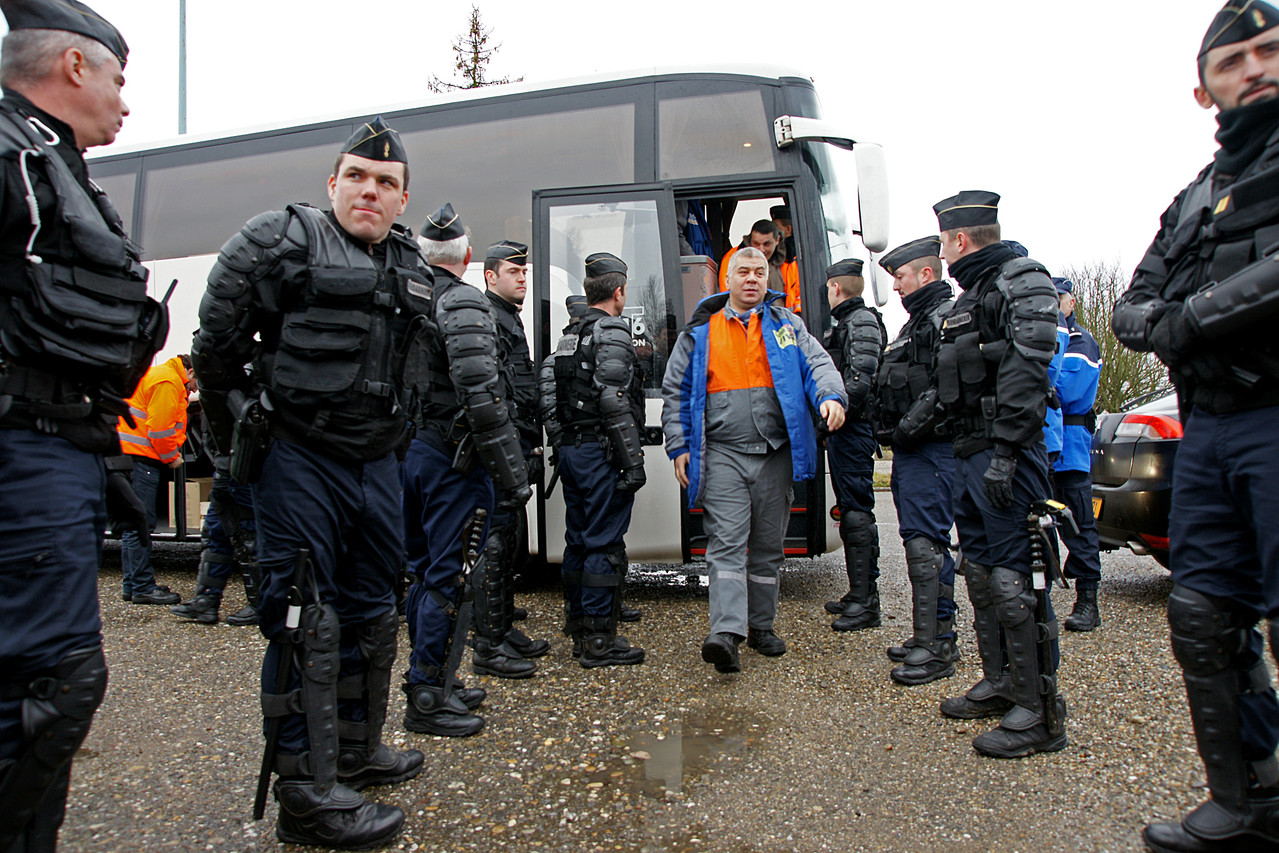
column 473, row 54
column 1125, row 374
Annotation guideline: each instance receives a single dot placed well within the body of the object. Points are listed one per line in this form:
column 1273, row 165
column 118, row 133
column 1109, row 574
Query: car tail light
column 1149, row 426
column 1159, row 543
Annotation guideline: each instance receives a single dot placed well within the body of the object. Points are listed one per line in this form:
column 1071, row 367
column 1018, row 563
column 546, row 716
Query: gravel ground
column 816, row 750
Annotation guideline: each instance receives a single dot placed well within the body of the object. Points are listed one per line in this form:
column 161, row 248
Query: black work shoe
column 519, row 614
column 203, row 609
column 338, row 818
column 126, row 595
column 1018, row 735
column 1174, row 838
column 246, row 615
column 981, row 700
column 1249, row 832
column 471, row 697
column 524, row 646
column 898, row 653
column 721, row 650
column 608, row 650
column 156, row 596
column 629, row 614
column 835, row 608
column 386, row 766
column 429, row 712
column 858, row 617
column 923, row 664
column 1085, row 616
column 764, row 641
column 501, row 661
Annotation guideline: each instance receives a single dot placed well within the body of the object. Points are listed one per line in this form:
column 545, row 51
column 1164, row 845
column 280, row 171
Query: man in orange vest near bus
column 783, row 275
column 154, row 441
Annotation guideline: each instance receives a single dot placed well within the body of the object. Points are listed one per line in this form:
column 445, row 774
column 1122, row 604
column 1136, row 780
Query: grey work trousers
column 746, row 499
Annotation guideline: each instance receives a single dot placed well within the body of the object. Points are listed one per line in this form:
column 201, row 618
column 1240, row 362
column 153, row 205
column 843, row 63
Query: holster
column 250, row 439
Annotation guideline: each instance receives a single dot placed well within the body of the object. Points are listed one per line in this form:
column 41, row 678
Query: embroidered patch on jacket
column 420, row 290
column 785, row 337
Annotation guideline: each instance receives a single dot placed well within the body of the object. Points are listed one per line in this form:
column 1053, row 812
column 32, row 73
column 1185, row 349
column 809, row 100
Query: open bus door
column 636, row 222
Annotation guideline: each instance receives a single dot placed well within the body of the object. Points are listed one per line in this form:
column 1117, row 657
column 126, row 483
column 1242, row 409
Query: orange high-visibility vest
column 790, row 275
column 735, row 355
column 159, row 409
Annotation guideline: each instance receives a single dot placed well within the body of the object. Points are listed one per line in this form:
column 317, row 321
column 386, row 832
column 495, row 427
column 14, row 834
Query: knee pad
column 923, row 560
column 858, row 529
column 1013, row 597
column 1206, row 634
column 978, row 579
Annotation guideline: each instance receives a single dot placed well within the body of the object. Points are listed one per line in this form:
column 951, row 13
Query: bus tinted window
column 726, row 134
column 488, row 170
column 195, row 208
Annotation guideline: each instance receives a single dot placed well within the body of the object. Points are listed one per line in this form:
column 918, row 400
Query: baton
column 283, row 665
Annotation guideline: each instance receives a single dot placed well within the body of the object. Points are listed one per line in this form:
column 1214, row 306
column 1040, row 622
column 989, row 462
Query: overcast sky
column 1080, row 114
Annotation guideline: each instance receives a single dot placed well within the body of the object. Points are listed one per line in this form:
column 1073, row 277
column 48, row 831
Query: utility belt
column 974, row 424
column 1088, row 420
column 39, row 394
column 579, row 435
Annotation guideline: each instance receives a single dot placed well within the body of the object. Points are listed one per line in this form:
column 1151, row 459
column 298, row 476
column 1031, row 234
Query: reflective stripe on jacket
column 159, row 409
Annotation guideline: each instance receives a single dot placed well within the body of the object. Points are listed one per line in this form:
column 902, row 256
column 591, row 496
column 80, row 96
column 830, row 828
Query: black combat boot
column 861, row 555
column 525, row 646
column 989, row 697
column 721, row 650
column 601, row 645
column 246, row 615
column 1253, row 830
column 629, row 614
column 336, row 817
column 764, row 641
column 203, row 609
column 430, row 712
column 500, row 660
column 860, row 615
column 471, row 697
column 927, row 657
column 1086, row 616
column 926, row 663
column 358, row 769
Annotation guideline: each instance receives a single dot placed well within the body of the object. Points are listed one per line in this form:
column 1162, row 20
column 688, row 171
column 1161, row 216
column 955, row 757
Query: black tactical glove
column 631, row 479
column 124, row 508
column 998, row 479
column 1172, row 338
column 514, row 500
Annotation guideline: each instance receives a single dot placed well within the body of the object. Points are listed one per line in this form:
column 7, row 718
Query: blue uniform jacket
column 803, row 376
column 1077, row 390
column 1052, row 419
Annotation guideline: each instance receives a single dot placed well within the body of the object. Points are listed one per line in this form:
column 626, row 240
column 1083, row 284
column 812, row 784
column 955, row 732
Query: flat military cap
column 1018, row 249
column 780, row 212
column 970, row 207
column 1063, row 285
column 508, row 250
column 1238, row 20
column 924, row 247
column 69, row 15
column 443, row 225
column 848, row 266
column 602, row 262
column 373, row 140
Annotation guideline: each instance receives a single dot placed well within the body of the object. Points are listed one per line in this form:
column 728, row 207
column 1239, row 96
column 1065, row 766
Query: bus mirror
column 872, row 196
column 788, row 130
column 877, row 282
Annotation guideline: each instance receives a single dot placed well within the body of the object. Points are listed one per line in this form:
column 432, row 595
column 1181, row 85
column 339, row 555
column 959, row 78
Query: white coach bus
column 600, row 164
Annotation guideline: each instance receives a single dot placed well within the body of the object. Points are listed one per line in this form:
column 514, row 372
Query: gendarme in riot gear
column 466, row 447
column 592, row 406
column 856, row 344
column 1202, row 298
column 77, row 331
column 992, row 382
column 923, row 462
column 326, row 305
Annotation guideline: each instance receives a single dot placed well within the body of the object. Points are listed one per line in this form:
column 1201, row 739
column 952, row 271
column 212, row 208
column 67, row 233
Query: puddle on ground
column 684, row 748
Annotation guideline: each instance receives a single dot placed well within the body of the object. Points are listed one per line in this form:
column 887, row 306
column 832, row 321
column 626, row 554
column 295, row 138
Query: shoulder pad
column 612, row 326
column 1025, row 277
column 262, row 239
column 455, row 296
column 1032, row 308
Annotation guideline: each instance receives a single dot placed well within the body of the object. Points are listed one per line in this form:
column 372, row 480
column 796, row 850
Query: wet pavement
column 815, row 750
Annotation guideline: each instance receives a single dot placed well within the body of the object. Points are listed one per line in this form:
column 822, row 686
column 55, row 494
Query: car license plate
column 1096, row 507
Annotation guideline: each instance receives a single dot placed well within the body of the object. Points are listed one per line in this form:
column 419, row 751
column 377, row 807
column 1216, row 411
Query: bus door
column 636, row 222
column 729, row 212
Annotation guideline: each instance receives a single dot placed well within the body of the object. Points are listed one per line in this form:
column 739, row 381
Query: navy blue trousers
column 596, row 517
column 922, row 485
column 216, row 535
column 52, row 514
column 990, row 536
column 1074, row 489
column 135, row 557
column 438, row 503
column 1224, row 537
column 348, row 515
column 851, row 451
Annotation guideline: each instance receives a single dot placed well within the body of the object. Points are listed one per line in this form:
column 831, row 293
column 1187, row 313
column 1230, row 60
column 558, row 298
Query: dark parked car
column 1133, row 451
